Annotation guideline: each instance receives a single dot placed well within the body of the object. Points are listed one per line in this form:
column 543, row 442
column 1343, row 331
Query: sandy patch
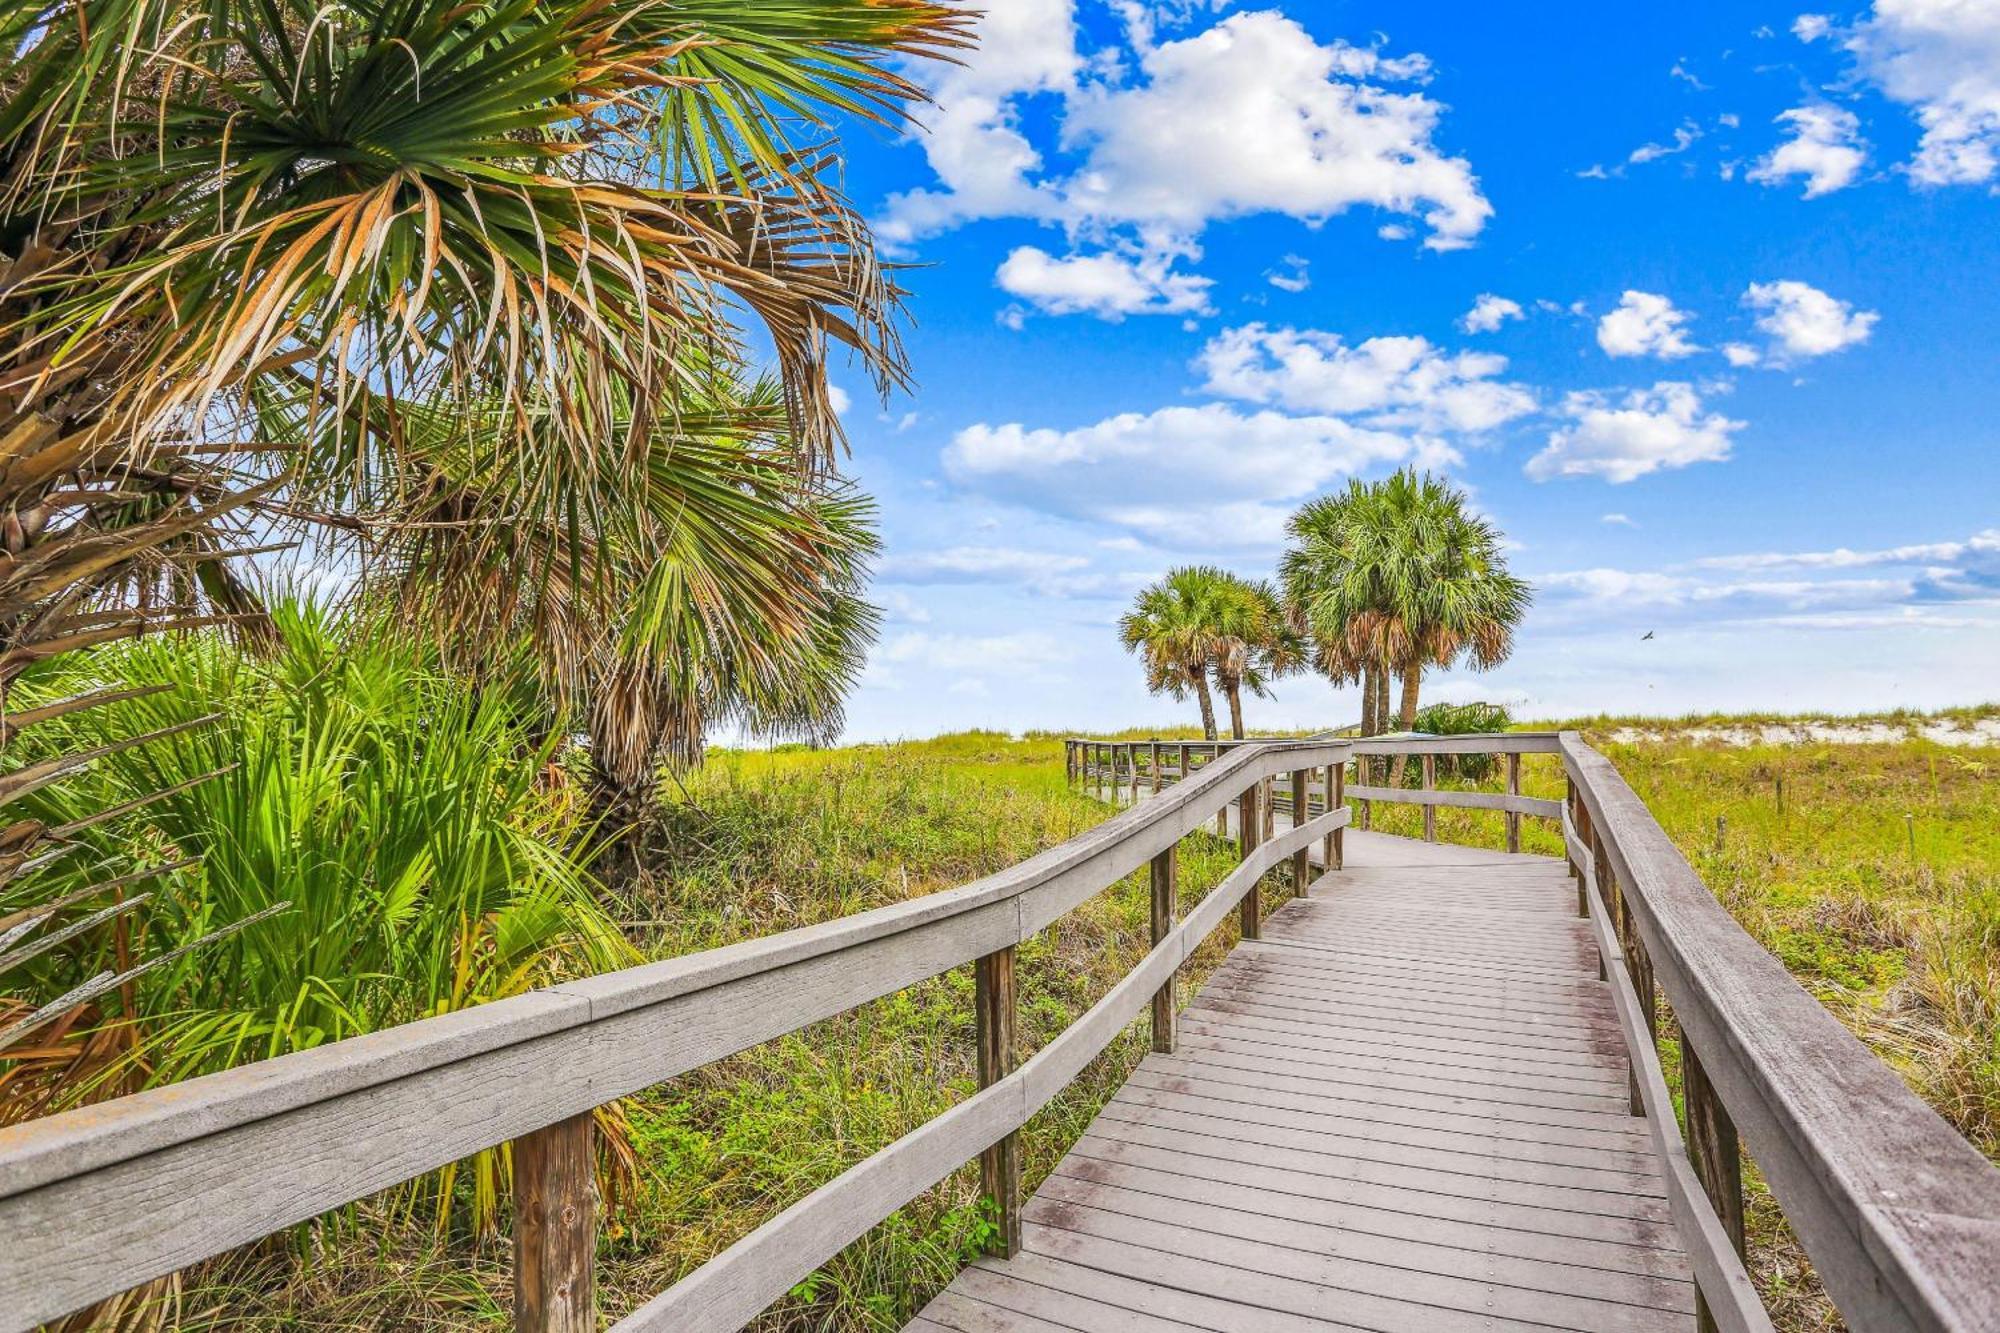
column 1984, row 731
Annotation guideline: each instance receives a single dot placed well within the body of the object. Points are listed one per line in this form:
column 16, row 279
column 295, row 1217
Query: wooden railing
column 1128, row 769
column 101, row 1199
column 1898, row 1213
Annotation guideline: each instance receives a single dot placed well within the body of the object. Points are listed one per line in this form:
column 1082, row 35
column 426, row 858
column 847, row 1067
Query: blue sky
column 1697, row 301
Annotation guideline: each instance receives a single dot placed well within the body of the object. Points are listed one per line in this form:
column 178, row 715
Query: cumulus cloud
column 1804, row 321
column 1645, row 324
column 1106, row 284
column 1397, row 382
column 1211, row 475
column 1811, row 27
column 1251, row 115
column 1942, row 58
column 1488, row 313
column 1826, row 148
column 1622, row 437
column 1741, row 355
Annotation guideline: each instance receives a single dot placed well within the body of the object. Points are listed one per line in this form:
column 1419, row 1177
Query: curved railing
column 101, row 1199
column 1898, row 1213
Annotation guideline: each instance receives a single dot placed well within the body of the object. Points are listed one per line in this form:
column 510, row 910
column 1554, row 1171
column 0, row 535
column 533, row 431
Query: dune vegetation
column 1872, row 879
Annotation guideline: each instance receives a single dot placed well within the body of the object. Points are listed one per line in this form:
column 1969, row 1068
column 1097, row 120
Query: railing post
column 1181, row 774
column 1268, row 803
column 1514, row 816
column 1165, row 872
column 1301, row 816
column 1156, row 768
column 1336, row 797
column 999, row 1165
column 1222, row 815
column 1250, row 825
column 555, row 1228
column 1367, row 808
column 1714, row 1153
column 1430, row 811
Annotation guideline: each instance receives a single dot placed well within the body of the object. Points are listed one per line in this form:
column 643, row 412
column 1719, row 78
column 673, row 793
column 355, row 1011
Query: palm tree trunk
column 1381, row 708
column 1207, row 705
column 1234, row 689
column 1368, row 727
column 1413, row 678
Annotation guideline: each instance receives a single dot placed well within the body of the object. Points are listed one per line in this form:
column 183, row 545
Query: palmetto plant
column 396, row 809
column 1394, row 577
column 244, row 244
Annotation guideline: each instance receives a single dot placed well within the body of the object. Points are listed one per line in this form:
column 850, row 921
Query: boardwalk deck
column 1405, row 1108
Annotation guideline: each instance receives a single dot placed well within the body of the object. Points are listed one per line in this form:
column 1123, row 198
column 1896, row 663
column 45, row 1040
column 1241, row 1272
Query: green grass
column 1900, row 938
column 759, row 843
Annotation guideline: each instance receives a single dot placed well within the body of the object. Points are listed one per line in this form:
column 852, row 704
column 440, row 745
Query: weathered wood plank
column 555, row 1228
column 1468, row 800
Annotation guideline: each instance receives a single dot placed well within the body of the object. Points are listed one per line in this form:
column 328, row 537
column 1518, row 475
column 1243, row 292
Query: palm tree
column 1256, row 643
column 244, row 246
column 1176, row 627
column 1391, row 578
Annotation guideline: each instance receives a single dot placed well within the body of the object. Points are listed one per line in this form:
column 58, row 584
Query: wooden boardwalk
column 1405, row 1108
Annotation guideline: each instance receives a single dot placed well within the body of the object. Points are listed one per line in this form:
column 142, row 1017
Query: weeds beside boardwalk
column 1878, row 883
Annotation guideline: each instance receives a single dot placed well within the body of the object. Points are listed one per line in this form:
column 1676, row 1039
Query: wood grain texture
column 555, row 1228
column 1347, row 1138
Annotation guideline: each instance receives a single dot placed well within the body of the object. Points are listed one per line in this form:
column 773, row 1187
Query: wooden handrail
column 97, row 1200
column 1899, row 1214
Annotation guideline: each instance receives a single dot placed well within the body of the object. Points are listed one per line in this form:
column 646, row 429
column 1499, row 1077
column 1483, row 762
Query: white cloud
column 1107, row 284
column 839, row 398
column 1980, row 546
column 1645, row 324
column 1684, row 139
column 1488, row 313
column 1941, row 57
column 1294, row 274
column 1047, row 573
column 1403, row 382
column 1811, row 27
column 1618, row 520
column 990, row 654
column 1804, row 321
column 1210, row 476
column 1251, row 115
column 1741, row 355
column 1623, row 437
column 1826, row 148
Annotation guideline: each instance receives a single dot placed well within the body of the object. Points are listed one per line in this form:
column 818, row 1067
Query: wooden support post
column 1250, row 826
column 1165, row 872
column 1430, row 811
column 1514, row 816
column 1336, row 842
column 1181, row 774
column 999, row 1165
column 1301, row 816
column 1156, row 768
column 555, row 1228
column 1222, row 815
column 1716, row 1156
column 1269, row 805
